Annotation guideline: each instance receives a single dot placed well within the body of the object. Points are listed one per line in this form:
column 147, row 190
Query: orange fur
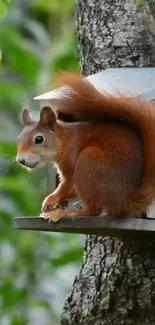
column 107, row 157
column 84, row 102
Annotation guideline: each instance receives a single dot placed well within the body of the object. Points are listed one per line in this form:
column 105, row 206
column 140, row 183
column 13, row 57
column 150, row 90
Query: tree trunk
column 116, row 283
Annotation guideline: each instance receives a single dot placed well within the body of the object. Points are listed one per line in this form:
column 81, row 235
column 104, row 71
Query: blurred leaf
column 19, row 54
column 7, row 2
column 37, row 38
column 3, row 8
column 0, row 55
column 71, row 256
column 66, row 58
column 58, row 7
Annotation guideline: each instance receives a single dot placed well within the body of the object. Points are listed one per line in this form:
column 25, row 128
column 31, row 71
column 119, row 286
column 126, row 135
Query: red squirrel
column 105, row 157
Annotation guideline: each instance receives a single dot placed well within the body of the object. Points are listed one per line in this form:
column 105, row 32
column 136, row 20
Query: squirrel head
column 37, row 142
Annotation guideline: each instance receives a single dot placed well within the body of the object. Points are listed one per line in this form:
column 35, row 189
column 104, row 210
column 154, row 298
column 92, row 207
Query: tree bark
column 116, row 282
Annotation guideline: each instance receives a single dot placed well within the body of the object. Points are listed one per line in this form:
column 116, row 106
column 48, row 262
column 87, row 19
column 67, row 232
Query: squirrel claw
column 47, row 206
column 54, row 215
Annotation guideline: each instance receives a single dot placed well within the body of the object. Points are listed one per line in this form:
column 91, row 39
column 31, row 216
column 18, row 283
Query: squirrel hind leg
column 88, row 181
column 100, row 186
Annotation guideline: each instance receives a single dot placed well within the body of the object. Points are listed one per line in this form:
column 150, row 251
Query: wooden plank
column 101, row 226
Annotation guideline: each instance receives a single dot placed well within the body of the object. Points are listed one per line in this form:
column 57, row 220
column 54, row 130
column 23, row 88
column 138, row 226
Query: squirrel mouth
column 32, row 166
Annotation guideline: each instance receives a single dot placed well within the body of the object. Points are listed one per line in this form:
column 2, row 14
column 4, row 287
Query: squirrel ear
column 47, row 118
column 26, row 116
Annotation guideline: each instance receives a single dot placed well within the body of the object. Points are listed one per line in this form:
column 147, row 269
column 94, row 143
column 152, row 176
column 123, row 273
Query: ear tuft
column 26, row 116
column 47, row 118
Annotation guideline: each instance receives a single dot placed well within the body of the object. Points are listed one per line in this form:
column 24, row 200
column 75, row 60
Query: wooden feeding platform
column 134, row 82
column 100, row 226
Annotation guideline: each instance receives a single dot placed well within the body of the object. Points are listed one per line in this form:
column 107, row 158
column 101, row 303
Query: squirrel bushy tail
column 84, row 102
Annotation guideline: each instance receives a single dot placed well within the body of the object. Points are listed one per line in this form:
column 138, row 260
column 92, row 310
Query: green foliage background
column 37, row 39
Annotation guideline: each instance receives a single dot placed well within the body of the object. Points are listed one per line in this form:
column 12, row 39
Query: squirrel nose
column 22, row 161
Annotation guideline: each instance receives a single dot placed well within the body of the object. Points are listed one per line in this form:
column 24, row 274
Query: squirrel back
column 83, row 102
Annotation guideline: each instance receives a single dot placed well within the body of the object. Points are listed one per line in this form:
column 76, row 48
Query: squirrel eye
column 39, row 139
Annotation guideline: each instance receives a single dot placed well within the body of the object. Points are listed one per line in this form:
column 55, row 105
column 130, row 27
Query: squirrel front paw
column 50, row 204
